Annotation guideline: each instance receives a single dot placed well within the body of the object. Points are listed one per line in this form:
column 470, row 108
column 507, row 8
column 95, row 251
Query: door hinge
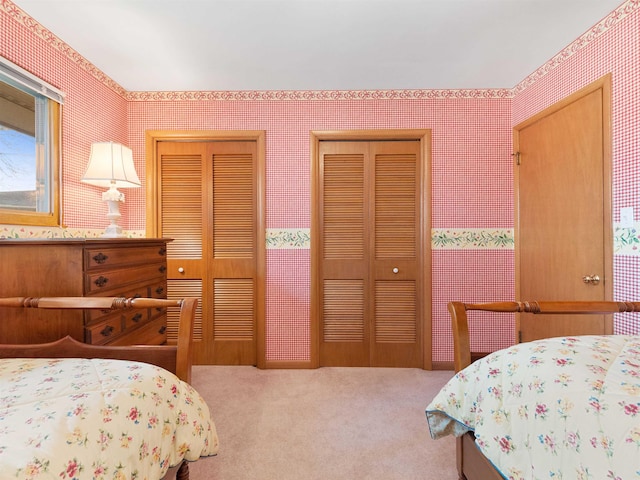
column 517, row 157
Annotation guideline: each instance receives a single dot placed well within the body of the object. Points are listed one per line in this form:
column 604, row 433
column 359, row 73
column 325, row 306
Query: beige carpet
column 329, row 423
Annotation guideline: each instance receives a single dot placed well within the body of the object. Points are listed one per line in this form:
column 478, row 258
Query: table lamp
column 111, row 165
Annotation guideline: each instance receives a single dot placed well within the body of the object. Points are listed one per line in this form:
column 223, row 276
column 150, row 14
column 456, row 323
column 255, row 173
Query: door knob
column 180, row 270
column 591, row 279
column 395, row 270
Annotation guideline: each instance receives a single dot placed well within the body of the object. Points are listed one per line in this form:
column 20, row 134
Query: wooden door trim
column 424, row 137
column 603, row 83
column 152, row 137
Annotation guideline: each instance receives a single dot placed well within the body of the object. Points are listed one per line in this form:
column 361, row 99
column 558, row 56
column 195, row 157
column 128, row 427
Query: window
column 29, row 148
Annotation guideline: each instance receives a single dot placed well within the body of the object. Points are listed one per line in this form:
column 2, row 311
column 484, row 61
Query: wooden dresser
column 83, row 267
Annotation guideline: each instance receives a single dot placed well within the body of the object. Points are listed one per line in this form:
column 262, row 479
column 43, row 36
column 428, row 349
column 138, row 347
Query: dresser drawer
column 135, row 318
column 92, row 316
column 158, row 290
column 153, row 333
column 104, row 331
column 100, row 282
column 98, row 258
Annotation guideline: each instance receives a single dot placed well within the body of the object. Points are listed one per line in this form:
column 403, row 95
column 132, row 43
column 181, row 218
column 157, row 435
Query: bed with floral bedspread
column 98, row 419
column 559, row 408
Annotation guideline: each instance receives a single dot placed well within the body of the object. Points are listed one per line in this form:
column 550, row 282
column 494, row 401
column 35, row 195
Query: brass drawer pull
column 591, row 279
column 162, row 269
column 106, row 331
column 162, row 251
column 101, row 281
column 100, row 258
column 160, row 290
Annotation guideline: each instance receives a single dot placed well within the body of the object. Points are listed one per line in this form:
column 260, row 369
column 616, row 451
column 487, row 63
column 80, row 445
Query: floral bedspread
column 98, row 419
column 560, row 408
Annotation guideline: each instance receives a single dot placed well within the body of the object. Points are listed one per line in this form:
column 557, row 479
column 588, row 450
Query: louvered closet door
column 397, row 325
column 181, row 218
column 208, row 206
column 233, row 250
column 370, row 254
column 344, row 253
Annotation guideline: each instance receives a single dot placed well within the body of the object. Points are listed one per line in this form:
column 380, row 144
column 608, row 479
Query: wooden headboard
column 462, row 354
column 175, row 358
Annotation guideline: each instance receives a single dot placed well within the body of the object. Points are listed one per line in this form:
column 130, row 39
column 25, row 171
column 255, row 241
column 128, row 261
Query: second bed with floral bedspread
column 560, row 408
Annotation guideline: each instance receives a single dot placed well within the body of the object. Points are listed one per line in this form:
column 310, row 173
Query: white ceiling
column 217, row 45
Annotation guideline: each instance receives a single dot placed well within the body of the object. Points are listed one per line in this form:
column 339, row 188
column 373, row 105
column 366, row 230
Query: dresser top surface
column 82, row 241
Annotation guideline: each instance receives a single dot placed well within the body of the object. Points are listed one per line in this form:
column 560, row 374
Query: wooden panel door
column 370, row 275
column 564, row 219
column 207, row 204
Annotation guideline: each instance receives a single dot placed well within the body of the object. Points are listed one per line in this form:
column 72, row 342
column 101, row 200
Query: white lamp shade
column 111, row 163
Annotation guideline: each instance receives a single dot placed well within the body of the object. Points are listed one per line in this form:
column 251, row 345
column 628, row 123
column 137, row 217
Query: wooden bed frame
column 174, row 358
column 471, row 464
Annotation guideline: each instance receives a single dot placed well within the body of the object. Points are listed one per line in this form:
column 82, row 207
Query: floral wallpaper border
column 626, row 241
column 442, row 239
column 25, row 232
column 472, row 239
column 324, row 95
column 288, row 238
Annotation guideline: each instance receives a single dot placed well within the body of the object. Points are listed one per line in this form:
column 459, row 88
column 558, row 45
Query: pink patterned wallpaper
column 93, row 110
column 471, row 137
column 471, row 158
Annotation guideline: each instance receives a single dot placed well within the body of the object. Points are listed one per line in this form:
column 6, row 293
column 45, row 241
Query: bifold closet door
column 370, row 313
column 208, row 207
